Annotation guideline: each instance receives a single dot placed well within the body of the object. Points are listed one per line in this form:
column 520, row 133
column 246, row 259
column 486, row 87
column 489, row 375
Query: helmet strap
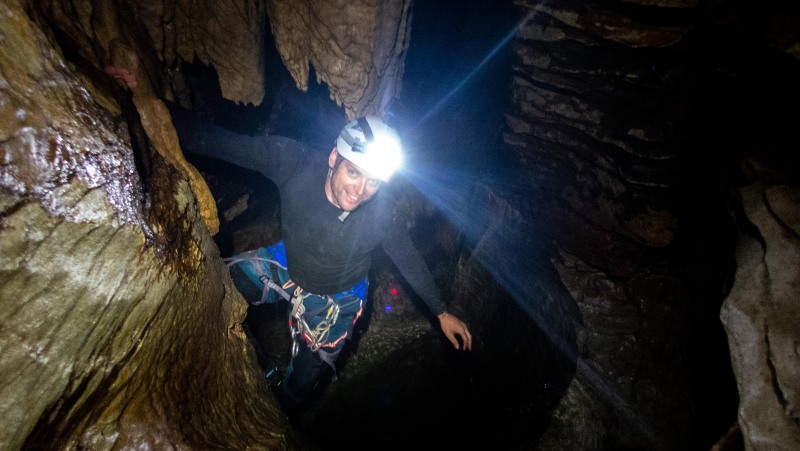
column 366, row 129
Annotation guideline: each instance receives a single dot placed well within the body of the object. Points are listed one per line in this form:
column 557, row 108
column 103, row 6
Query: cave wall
column 356, row 47
column 760, row 313
column 98, row 35
column 599, row 121
column 614, row 123
column 120, row 328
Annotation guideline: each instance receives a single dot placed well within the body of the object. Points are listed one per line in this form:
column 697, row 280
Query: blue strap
column 278, row 253
column 263, row 265
column 359, row 290
column 259, row 270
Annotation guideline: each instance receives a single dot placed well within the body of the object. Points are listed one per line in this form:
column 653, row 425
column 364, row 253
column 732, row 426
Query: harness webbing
column 316, row 337
column 269, row 284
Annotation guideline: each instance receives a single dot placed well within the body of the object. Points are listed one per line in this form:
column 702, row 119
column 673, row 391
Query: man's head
column 367, row 153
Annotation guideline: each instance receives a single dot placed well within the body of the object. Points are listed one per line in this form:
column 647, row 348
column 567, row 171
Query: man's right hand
column 452, row 327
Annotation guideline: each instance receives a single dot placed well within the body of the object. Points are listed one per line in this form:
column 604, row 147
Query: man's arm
column 412, row 267
column 275, row 157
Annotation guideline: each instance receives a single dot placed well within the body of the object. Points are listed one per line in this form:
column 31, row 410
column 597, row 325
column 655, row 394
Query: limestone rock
column 121, row 328
column 104, row 39
column 228, row 35
column 760, row 316
column 357, row 47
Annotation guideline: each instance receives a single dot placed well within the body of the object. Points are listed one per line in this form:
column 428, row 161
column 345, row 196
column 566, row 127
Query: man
column 333, row 215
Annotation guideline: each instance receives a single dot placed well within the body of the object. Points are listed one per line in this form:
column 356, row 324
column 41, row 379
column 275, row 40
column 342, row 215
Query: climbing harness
column 265, row 270
column 316, row 326
column 313, row 318
column 318, row 336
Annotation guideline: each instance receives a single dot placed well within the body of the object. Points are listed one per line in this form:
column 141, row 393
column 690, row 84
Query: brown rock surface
column 357, row 47
column 120, row 327
column 760, row 316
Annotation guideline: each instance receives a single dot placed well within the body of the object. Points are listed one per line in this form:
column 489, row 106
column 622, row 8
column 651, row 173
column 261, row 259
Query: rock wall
column 120, row 326
column 616, row 124
column 99, row 34
column 760, row 313
column 356, row 47
column 599, row 125
column 228, row 35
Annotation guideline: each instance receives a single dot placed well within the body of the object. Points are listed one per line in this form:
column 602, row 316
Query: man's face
column 348, row 186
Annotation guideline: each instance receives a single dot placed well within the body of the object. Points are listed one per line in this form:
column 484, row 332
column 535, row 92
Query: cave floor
column 401, row 385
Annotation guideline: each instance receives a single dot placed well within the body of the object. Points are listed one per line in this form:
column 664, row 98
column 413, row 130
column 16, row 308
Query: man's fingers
column 467, row 340
column 452, row 337
column 454, row 329
column 466, row 337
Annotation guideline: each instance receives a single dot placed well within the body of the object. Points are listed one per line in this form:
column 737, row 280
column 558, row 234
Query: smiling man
column 370, row 152
column 352, row 186
column 333, row 216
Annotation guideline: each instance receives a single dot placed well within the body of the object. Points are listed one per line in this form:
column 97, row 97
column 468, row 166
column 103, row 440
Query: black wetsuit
column 325, row 255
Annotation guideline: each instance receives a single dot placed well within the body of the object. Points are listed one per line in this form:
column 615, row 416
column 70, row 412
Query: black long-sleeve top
column 325, row 255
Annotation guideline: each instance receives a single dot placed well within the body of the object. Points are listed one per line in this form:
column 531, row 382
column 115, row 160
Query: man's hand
column 452, row 326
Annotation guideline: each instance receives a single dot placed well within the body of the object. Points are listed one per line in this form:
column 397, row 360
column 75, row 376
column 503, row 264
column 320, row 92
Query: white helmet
column 371, row 145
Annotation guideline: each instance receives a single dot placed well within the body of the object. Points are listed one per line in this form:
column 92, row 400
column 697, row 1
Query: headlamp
column 372, row 145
